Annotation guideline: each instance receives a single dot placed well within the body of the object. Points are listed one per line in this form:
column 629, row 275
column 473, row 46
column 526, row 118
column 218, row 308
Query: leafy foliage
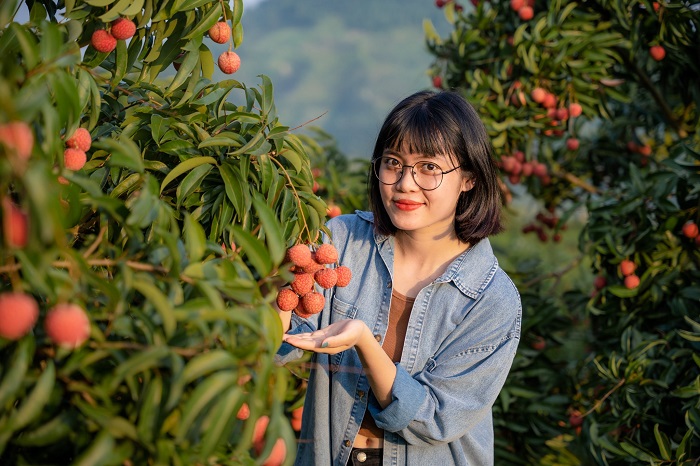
column 617, row 382
column 171, row 237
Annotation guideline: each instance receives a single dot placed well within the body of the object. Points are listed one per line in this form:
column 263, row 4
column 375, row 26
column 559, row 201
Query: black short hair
column 443, row 122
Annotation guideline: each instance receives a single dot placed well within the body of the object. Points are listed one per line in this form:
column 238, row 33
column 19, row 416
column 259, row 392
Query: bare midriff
column 368, row 442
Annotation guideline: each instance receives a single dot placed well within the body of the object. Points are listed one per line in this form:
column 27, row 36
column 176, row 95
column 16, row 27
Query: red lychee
column 333, row 211
column 303, row 283
column 575, row 110
column 627, row 267
column 562, row 114
column 18, row 138
column 631, row 281
column 690, row 229
column 243, row 412
column 278, row 454
column 326, row 277
column 103, row 41
column 516, row 5
column 539, row 169
column 313, row 302
column 572, row 144
column 18, row 314
column 344, row 276
column 74, row 159
column 220, row 32
column 67, row 325
column 526, row 13
column 313, row 266
column 437, row 82
column 599, row 282
column 15, row 223
column 299, row 255
column 259, row 433
column 326, row 254
column 287, row 299
column 229, row 62
column 550, row 100
column 538, row 94
column 81, row 139
column 123, row 28
column 657, row 52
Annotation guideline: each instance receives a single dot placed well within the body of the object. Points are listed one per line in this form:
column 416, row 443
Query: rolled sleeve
column 407, row 396
column 287, row 353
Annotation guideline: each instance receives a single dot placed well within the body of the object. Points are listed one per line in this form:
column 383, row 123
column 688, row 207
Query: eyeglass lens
column 427, row 175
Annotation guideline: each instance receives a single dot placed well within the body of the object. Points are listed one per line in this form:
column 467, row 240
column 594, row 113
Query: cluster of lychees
column 517, row 167
column 310, row 268
column 120, row 29
column 67, row 325
column 75, row 154
column 524, row 8
column 229, row 61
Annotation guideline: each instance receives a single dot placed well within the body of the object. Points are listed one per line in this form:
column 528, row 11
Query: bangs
column 420, row 130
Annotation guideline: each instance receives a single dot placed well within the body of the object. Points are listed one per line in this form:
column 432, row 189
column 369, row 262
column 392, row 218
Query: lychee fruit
column 220, row 32
column 67, row 325
column 259, row 433
column 572, row 144
column 81, row 139
column 229, row 62
column 326, row 277
column 278, row 454
column 103, row 41
column 575, row 110
column 526, row 13
column 303, row 283
column 631, row 281
column 123, row 28
column 437, row 82
column 74, row 159
column 326, row 254
column 18, row 314
column 287, row 299
column 299, row 255
column 18, row 138
column 333, row 211
column 15, row 224
column 313, row 266
column 627, row 267
column 243, row 412
column 550, row 100
column 538, row 94
column 599, row 282
column 313, row 302
column 690, row 229
column 516, row 5
column 344, row 276
column 657, row 52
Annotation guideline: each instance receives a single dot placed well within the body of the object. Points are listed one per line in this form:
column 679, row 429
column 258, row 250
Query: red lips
column 406, row 204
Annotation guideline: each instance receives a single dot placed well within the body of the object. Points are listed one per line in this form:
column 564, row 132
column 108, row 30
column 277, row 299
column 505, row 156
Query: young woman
column 411, row 355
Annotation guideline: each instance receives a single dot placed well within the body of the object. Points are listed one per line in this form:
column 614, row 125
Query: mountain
column 343, row 64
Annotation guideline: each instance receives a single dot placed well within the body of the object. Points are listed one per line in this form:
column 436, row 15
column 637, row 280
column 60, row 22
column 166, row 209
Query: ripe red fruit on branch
column 18, row 314
column 326, row 277
column 526, row 13
column 18, row 139
column 572, row 144
column 550, row 100
column 103, row 41
column 575, row 418
column 80, row 139
column 299, row 255
column 631, row 281
column 220, row 32
column 278, row 454
column 287, row 299
column 67, row 325
column 259, row 433
column 657, row 52
column 333, row 211
column 575, row 110
column 15, row 223
column 627, row 267
column 313, row 302
column 303, row 283
column 326, row 254
column 123, row 28
column 690, row 229
column 344, row 276
column 516, row 5
column 437, row 82
column 599, row 282
column 74, row 159
column 243, row 412
column 538, row 94
column 229, row 62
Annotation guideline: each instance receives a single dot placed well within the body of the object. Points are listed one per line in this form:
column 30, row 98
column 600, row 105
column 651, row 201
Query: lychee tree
column 593, row 110
column 146, row 211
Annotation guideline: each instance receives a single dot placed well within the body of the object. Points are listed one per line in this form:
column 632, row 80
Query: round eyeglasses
column 427, row 175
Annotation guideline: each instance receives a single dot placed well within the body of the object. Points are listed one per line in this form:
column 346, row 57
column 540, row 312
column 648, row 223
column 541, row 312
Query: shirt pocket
column 340, row 311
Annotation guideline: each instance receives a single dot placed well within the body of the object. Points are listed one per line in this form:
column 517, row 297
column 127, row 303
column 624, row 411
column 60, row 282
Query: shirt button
column 361, row 393
column 347, row 443
column 362, row 457
column 378, row 337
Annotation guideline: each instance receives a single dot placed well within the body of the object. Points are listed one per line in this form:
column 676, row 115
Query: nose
column 407, row 182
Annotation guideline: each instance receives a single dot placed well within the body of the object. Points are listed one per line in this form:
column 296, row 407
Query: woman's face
column 417, row 210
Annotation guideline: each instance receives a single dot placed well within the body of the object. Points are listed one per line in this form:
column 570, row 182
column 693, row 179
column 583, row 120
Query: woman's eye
column 429, row 168
column 392, row 163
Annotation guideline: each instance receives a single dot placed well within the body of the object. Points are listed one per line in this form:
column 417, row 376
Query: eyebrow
column 441, row 157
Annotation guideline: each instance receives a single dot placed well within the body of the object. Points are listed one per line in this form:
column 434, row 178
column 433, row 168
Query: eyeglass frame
column 413, row 173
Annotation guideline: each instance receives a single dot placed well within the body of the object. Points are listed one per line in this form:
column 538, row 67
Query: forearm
column 379, row 368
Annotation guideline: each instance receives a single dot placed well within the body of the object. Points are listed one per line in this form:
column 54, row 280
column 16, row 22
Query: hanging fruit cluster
column 310, row 268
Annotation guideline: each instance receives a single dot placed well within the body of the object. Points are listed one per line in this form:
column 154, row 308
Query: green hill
column 344, row 64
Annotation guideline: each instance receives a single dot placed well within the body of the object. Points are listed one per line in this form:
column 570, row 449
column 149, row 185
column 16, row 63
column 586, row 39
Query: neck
column 429, row 249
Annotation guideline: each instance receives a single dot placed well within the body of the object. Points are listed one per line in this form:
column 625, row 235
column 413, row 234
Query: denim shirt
column 462, row 336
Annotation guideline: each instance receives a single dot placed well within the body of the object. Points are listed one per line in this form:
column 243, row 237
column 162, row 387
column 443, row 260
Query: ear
column 467, row 183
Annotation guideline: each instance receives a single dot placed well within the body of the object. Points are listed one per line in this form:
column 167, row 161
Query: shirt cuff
column 287, row 352
column 407, row 397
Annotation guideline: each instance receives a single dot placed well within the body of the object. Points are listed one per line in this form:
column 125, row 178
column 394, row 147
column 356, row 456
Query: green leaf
column 160, row 302
column 663, row 443
column 195, row 238
column 254, row 250
column 192, row 182
column 185, row 166
column 271, row 228
column 123, row 153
